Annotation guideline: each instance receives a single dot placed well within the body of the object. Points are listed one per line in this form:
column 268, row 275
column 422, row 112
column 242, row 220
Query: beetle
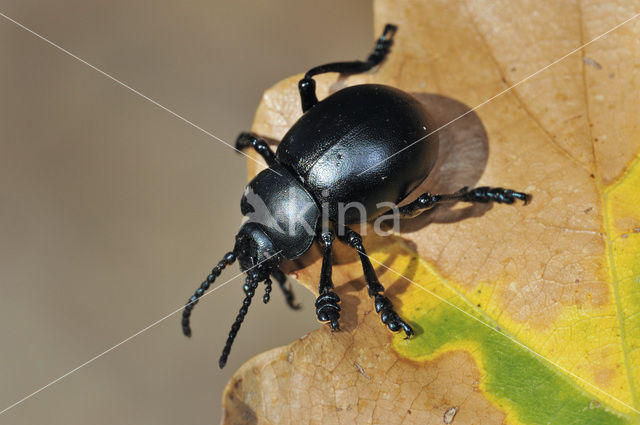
column 363, row 144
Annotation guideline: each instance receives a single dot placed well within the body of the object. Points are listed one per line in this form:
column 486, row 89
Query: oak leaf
column 524, row 315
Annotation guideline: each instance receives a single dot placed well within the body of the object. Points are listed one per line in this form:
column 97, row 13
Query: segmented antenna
column 267, row 291
column 249, row 289
column 227, row 260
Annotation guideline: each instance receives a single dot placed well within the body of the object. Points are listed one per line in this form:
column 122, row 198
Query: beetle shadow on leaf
column 462, row 159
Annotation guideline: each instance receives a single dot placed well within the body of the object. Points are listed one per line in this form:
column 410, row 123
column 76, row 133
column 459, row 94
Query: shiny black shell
column 358, row 145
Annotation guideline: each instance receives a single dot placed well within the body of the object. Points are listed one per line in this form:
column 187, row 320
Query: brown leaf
column 535, row 317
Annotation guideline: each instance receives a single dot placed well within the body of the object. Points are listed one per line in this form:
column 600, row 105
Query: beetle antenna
column 249, row 290
column 227, row 260
column 267, row 291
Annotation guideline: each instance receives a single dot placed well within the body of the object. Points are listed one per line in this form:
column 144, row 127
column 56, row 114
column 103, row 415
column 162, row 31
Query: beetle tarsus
column 494, row 194
column 328, row 309
column 389, row 317
column 383, row 45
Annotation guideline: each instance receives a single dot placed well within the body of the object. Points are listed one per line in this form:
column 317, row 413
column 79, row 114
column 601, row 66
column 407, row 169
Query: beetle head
column 254, row 248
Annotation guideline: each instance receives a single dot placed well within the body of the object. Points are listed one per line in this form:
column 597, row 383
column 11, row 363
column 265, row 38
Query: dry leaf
column 525, row 315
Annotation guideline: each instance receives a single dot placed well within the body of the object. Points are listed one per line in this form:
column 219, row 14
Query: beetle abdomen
column 358, row 145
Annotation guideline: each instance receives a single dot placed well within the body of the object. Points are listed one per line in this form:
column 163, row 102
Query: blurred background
column 112, row 211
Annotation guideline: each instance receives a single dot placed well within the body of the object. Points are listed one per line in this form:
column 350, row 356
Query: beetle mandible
column 356, row 145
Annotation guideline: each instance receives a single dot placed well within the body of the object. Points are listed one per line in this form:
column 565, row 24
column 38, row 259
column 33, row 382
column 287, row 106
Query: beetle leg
column 479, row 194
column 327, row 307
column 307, row 86
column 382, row 304
column 281, row 278
column 489, row 194
column 246, row 140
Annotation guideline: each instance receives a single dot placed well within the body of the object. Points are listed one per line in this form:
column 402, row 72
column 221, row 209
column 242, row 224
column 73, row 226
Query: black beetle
column 356, row 146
